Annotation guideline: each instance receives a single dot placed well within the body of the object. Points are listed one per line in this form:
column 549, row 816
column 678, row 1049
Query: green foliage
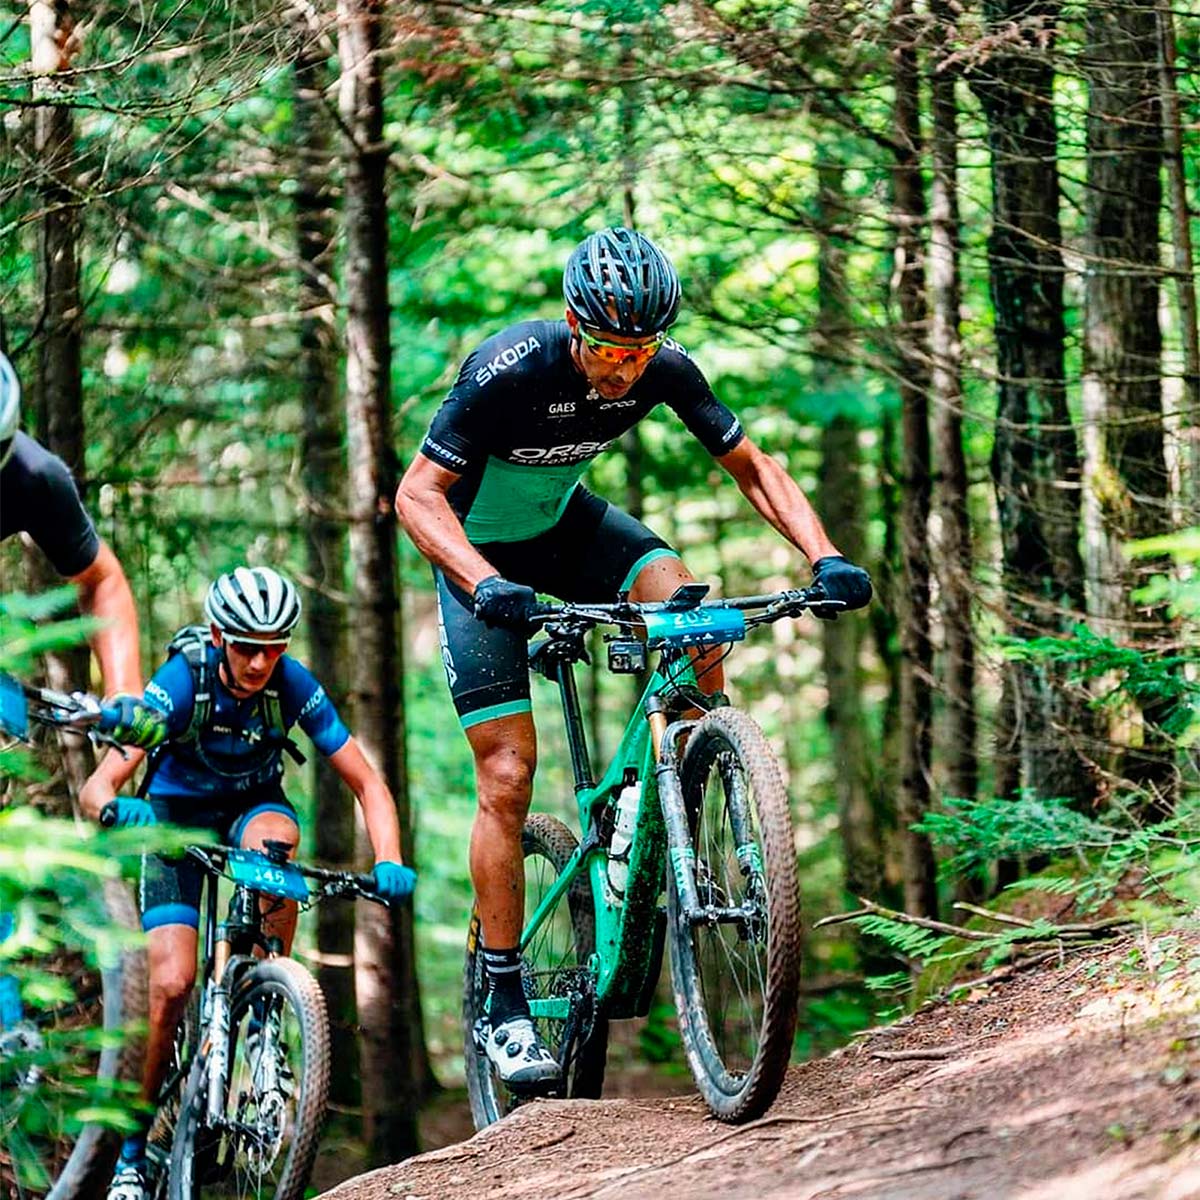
column 57, row 934
column 977, row 833
column 1150, row 679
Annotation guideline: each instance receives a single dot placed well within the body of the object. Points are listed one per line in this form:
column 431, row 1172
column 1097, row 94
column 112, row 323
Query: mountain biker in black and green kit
column 494, row 502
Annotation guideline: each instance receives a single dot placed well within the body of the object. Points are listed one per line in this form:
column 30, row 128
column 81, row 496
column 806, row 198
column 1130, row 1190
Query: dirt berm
column 1075, row 1082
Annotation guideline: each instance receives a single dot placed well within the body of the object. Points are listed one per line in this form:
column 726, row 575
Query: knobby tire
column 752, row 785
column 548, row 842
column 200, row 1166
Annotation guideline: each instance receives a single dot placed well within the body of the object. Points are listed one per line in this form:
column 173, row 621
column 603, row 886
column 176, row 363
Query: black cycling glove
column 500, row 604
column 842, row 580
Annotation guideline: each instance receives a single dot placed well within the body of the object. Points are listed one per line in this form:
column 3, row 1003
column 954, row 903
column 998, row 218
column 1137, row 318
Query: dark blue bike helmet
column 618, row 281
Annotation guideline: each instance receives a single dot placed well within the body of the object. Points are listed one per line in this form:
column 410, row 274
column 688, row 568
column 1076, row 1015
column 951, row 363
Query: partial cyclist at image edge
column 38, row 497
column 495, row 503
column 230, row 696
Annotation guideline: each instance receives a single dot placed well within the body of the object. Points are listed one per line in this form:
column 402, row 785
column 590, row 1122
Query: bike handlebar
column 352, row 881
column 789, row 603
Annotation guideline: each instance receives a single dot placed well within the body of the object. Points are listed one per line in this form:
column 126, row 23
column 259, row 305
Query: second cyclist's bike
column 241, row 1111
column 694, row 804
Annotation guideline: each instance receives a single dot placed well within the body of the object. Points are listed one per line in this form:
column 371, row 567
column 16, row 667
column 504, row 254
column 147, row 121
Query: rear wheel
column 555, row 965
column 736, row 979
column 263, row 1141
column 55, row 1063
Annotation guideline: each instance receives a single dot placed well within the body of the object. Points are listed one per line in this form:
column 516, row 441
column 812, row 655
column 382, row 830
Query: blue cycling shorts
column 171, row 885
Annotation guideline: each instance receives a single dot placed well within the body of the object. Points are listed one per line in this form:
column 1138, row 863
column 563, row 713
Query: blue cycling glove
column 133, row 722
column 842, row 580
column 127, row 811
column 393, row 881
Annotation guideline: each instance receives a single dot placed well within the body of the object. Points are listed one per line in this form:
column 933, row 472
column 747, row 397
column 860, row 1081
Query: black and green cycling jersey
column 521, row 424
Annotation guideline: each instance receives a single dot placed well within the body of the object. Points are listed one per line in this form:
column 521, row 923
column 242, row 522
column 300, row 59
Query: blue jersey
column 236, row 751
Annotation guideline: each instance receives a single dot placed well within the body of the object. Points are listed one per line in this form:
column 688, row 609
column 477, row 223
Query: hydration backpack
column 192, row 641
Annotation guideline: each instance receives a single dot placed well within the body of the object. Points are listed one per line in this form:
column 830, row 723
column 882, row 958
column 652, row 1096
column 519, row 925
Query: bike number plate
column 14, row 708
column 254, row 870
column 696, row 626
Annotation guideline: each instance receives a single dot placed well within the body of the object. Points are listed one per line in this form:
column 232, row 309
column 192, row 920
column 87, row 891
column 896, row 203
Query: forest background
column 937, row 256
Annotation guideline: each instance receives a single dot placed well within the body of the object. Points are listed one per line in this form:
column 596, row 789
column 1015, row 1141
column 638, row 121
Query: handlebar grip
column 109, row 719
column 108, row 815
column 366, row 884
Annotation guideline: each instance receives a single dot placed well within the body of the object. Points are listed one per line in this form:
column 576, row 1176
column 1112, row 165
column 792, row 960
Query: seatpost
column 581, row 765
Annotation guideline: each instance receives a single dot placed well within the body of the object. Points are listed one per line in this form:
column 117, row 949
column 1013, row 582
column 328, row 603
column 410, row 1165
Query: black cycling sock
column 505, row 989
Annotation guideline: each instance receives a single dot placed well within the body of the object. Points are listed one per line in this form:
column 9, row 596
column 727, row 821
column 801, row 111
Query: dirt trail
column 1077, row 1083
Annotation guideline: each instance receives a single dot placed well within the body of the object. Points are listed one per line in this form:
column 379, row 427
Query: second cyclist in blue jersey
column 494, row 502
column 230, row 695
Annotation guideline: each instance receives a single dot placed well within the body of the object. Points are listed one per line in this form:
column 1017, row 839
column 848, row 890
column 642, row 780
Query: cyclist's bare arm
column 427, row 518
column 379, row 809
column 104, row 593
column 113, row 773
column 778, row 498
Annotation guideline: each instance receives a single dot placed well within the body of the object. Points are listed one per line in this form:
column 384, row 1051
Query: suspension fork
column 680, row 849
column 681, row 845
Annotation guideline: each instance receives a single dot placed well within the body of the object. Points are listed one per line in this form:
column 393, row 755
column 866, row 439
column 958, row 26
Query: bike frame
column 630, row 932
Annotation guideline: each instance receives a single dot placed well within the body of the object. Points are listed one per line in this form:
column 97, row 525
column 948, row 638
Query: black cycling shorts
column 170, row 888
column 591, row 554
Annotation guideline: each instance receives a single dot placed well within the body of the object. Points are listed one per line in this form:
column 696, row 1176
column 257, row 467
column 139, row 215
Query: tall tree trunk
column 885, row 634
column 324, row 472
column 53, row 46
column 384, row 943
column 916, row 647
column 1122, row 361
column 954, row 557
column 1035, row 458
column 842, row 506
column 1181, row 241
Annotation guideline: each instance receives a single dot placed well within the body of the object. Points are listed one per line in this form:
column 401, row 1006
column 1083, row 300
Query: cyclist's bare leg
column 171, row 950
column 658, row 580
column 280, row 918
column 505, row 758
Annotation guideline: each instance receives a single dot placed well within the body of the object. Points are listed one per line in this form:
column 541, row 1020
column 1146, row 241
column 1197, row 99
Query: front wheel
column 736, row 974
column 263, row 1141
column 555, row 965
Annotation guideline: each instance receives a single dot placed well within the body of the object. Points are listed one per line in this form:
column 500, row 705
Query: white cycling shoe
column 519, row 1055
column 128, row 1182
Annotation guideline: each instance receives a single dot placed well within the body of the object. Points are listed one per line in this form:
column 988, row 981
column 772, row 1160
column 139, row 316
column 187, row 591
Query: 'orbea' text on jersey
column 522, row 423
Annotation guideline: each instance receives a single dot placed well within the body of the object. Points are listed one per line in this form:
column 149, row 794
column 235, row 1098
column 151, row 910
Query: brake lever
column 105, row 739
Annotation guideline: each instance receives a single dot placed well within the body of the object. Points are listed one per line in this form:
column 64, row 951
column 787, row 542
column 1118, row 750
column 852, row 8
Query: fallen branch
column 923, row 1052
column 870, row 908
column 1000, row 918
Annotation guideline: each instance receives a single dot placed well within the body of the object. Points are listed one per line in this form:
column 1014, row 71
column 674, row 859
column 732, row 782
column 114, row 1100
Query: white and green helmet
column 253, row 601
column 10, row 407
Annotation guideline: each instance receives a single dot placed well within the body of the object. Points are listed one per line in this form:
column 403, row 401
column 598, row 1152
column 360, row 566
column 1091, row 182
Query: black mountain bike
column 241, row 1111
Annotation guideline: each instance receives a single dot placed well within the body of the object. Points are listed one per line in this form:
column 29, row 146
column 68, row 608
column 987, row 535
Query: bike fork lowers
column 218, row 1028
column 681, row 844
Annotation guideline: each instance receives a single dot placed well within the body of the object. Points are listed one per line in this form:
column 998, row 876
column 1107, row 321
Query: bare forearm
column 778, row 498
column 106, row 780
column 438, row 534
column 104, row 593
column 379, row 815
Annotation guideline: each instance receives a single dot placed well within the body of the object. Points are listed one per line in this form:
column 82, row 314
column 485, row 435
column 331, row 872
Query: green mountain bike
column 695, row 806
